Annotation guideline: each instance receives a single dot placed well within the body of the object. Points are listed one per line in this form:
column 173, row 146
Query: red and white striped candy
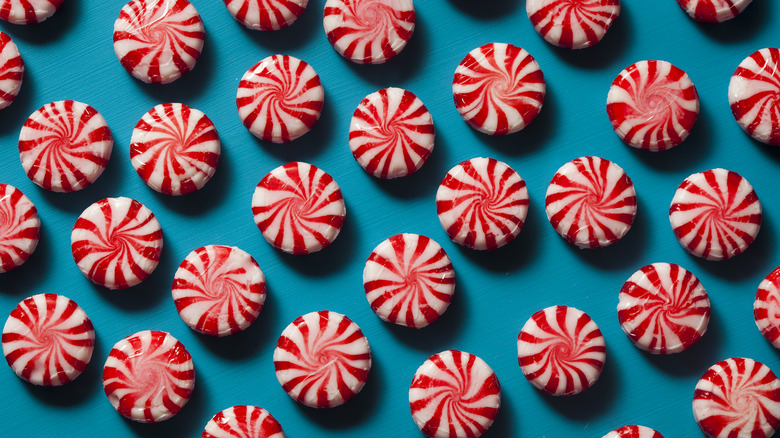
column 65, row 146
column 663, row 308
column 158, row 41
column 737, row 397
column 482, row 203
column 298, row 208
column 266, row 14
column 28, row 11
column 219, row 290
column 149, row 376
column 369, row 31
column 322, row 359
column 280, row 98
column 498, row 89
column 391, row 133
column 243, row 422
column 561, row 350
column 116, row 242
column 652, row 105
column 713, row 11
column 11, row 70
column 715, row 214
column 591, row 202
column 634, row 431
column 20, row 228
column 572, row 24
column 409, row 280
column 754, row 95
column 454, row 394
column 175, row 149
column 48, row 340
column 766, row 307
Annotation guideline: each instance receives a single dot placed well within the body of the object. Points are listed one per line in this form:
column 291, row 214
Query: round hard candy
column 573, row 24
column 243, row 422
column 713, row 11
column 28, row 11
column 48, row 340
column 266, row 14
column 11, row 70
column 766, row 307
column 634, row 431
column 754, row 95
column 20, row 228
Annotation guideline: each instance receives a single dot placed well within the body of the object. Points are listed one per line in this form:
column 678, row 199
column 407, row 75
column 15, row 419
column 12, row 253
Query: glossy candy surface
column 20, row 228
column 634, row 431
column 28, row 11
column 243, row 421
column 754, row 95
column 266, row 14
column 11, row 70
column 572, row 24
column 713, row 11
column 766, row 308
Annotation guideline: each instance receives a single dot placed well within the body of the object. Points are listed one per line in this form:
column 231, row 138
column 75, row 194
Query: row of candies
column 431, row 425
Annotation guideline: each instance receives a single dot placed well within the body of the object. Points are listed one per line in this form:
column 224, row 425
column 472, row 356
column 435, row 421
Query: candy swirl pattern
column 498, row 88
column 591, row 202
column 754, row 95
column 322, row 359
column 28, row 11
column 280, row 98
column 243, row 422
column 175, row 149
column 219, row 290
column 11, row 70
column 652, row 105
column 766, row 308
column 634, row 431
column 737, row 397
column 20, row 228
column 561, row 350
column 663, row 308
column 572, row 24
column 715, row 214
column 369, row 31
column 65, row 146
column 266, row 15
column 391, row 133
column 713, row 11
column 116, row 242
column 48, row 340
column 298, row 208
column 454, row 394
column 482, row 203
column 158, row 41
column 409, row 280
column 149, row 376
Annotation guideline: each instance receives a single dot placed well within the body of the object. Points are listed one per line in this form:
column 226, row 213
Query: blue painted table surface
column 71, row 57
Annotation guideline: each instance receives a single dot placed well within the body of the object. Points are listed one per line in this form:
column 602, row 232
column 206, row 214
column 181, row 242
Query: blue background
column 71, row 57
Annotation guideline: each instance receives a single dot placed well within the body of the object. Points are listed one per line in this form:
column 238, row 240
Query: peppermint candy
column 409, row 280
column 219, row 290
column 561, row 350
column 116, row 242
column 369, row 31
column 175, row 149
column 713, row 11
column 298, row 208
column 754, row 95
column 266, row 14
column 322, row 359
column 482, row 203
column 591, row 202
column 28, row 11
column 737, row 397
column 663, row 308
column 766, row 308
column 65, row 146
column 149, row 376
column 20, row 228
column 652, row 105
column 634, row 431
column 48, row 340
column 243, row 422
column 391, row 133
column 715, row 214
column 572, row 24
column 158, row 41
column 280, row 98
column 498, row 89
column 454, row 394
column 11, row 70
